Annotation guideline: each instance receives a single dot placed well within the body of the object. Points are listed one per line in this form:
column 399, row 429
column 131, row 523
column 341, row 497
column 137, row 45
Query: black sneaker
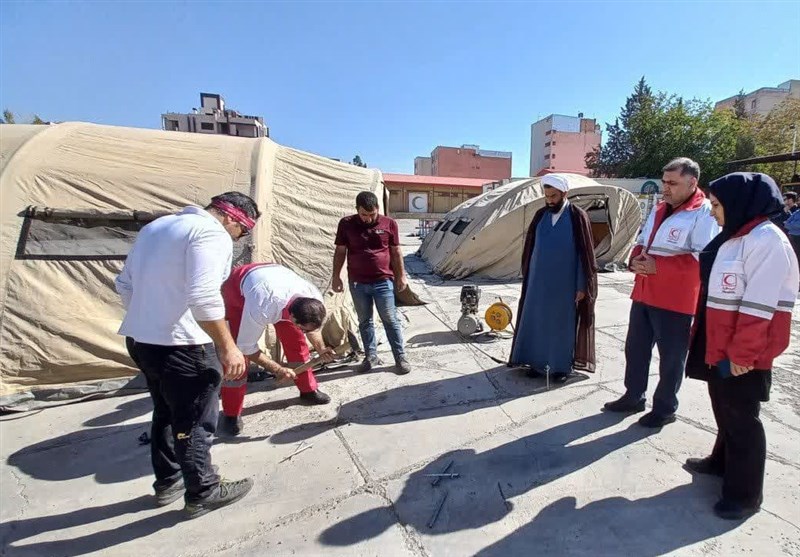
column 401, row 366
column 653, row 420
column 169, row 495
column 231, row 426
column 625, row 404
column 703, row 466
column 730, row 510
column 368, row 363
column 315, row 397
column 226, row 494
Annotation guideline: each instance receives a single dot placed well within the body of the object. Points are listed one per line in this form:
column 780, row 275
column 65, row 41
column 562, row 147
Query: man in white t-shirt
column 176, row 334
column 262, row 294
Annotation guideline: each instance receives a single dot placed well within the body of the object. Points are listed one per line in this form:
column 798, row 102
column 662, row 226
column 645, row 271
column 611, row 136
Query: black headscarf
column 744, row 196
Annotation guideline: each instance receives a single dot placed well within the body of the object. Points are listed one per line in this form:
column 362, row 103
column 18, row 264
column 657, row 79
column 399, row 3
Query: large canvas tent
column 73, row 196
column 484, row 236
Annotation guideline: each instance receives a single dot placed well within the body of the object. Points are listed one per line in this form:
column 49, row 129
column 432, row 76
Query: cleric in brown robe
column 555, row 319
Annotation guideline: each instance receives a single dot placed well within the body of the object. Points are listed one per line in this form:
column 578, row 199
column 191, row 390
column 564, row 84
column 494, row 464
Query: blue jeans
column 382, row 294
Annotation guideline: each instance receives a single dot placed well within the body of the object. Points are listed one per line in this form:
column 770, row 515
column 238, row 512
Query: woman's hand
column 738, row 370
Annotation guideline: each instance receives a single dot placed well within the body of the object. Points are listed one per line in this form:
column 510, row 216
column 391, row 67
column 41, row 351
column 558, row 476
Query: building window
column 553, row 156
column 753, row 104
column 207, row 126
column 546, row 157
column 553, row 143
column 548, row 132
column 547, row 144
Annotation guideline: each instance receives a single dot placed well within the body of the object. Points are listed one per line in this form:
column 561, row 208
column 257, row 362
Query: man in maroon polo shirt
column 370, row 243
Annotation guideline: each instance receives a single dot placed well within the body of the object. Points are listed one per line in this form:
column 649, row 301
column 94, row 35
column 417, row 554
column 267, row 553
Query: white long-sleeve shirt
column 267, row 292
column 172, row 279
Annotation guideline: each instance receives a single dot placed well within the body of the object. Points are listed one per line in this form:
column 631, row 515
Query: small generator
column 469, row 323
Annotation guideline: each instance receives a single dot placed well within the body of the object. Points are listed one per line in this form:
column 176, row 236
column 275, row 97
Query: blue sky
column 386, row 80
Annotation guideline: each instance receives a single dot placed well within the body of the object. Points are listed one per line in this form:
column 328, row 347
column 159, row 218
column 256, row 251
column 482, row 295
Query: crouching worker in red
column 262, row 294
column 749, row 279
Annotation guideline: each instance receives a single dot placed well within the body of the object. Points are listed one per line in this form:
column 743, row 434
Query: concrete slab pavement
column 542, row 471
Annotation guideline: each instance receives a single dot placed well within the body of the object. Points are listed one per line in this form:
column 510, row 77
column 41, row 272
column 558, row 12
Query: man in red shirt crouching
column 262, row 294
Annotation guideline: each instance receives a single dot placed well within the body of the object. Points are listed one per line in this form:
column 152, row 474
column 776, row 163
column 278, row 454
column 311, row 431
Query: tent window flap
column 460, row 226
column 71, row 235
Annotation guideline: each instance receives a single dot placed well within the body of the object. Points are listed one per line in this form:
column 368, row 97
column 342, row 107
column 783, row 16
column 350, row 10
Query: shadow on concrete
column 457, row 395
column 128, row 410
column 480, row 496
column 644, row 527
column 421, row 270
column 16, row 530
column 436, row 338
column 111, row 454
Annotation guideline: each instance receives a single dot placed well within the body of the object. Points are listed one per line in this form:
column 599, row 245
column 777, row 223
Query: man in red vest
column 262, row 294
column 666, row 263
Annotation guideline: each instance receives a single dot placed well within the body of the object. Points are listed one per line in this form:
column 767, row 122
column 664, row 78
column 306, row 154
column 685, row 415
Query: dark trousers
column 184, row 383
column 670, row 331
column 795, row 240
column 740, row 451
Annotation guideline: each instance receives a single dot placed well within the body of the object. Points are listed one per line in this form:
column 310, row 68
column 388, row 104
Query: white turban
column 558, row 182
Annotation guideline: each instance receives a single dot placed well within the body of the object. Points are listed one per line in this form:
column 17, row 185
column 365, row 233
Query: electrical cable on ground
column 478, row 348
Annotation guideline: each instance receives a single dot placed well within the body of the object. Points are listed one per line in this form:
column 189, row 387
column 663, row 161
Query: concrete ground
column 542, row 472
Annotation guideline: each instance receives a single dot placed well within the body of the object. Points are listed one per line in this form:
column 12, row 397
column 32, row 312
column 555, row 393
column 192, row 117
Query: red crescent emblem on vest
column 729, row 282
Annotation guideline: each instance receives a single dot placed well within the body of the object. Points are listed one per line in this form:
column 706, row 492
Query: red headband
column 235, row 213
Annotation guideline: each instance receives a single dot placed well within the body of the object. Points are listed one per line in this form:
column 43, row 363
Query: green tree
column 654, row 128
column 740, row 106
column 9, row 118
column 774, row 134
column 611, row 159
column 358, row 162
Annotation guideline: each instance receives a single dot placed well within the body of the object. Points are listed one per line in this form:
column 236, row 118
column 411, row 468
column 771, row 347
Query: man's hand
column 284, row 374
column 644, row 264
column 401, row 283
column 327, row 354
column 337, row 285
column 580, row 296
column 738, row 370
column 234, row 365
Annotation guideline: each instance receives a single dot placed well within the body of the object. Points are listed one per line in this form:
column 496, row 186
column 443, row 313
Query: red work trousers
column 292, row 339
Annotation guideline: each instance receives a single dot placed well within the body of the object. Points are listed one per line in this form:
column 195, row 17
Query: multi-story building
column 560, row 144
column 422, row 166
column 467, row 161
column 212, row 117
column 762, row 101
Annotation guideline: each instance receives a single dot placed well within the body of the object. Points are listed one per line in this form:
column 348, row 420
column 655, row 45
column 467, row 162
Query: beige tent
column 73, row 196
column 484, row 236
